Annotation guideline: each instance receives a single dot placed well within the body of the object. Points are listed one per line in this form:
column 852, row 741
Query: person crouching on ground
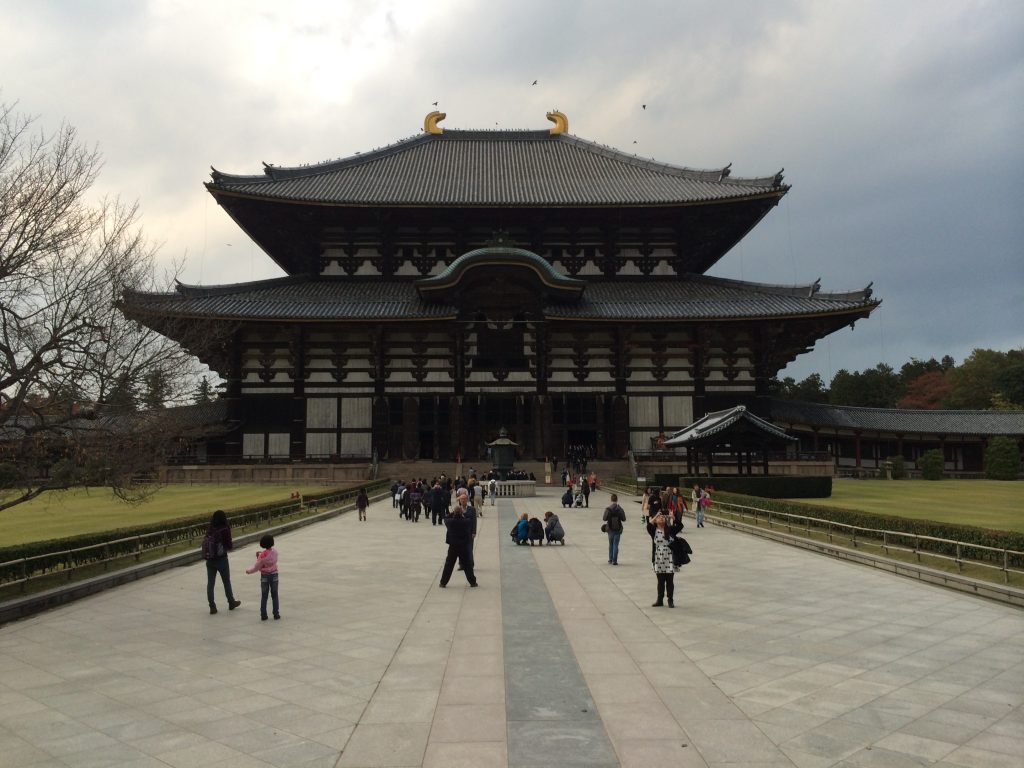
column 266, row 566
column 521, row 530
column 663, row 529
column 535, row 530
column 553, row 529
column 459, row 538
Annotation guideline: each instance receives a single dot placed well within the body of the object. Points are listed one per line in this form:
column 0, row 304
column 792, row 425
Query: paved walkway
column 773, row 657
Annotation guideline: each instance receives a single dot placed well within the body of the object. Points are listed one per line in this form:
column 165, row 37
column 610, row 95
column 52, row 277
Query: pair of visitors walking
column 216, row 545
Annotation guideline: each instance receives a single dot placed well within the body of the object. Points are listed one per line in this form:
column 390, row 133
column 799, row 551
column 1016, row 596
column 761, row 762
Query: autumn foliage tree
column 68, row 357
column 927, row 392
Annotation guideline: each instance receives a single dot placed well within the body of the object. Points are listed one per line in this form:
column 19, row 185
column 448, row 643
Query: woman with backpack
column 216, row 545
column 614, row 519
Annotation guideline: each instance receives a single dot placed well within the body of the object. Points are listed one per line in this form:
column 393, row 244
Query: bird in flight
column 634, row 141
column 642, row 105
column 534, row 82
column 435, row 103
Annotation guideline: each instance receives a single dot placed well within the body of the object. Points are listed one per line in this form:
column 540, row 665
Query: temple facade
column 462, row 281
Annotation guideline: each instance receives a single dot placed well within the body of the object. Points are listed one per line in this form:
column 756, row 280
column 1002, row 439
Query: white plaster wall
column 643, row 411
column 278, row 444
column 678, row 411
column 356, row 412
column 359, row 443
column 322, row 412
column 320, row 443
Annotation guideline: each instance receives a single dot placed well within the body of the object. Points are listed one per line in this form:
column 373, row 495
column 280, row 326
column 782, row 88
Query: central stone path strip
column 552, row 719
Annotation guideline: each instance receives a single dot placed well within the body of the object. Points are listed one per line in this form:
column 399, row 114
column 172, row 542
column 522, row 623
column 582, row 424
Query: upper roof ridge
column 721, row 175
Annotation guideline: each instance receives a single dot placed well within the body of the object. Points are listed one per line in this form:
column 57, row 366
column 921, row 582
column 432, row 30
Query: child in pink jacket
column 266, row 565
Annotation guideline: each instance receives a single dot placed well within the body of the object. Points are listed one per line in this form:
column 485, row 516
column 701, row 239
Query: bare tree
column 65, row 349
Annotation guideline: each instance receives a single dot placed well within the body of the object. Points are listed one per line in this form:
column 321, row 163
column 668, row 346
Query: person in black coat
column 459, row 538
column 535, row 531
column 438, row 504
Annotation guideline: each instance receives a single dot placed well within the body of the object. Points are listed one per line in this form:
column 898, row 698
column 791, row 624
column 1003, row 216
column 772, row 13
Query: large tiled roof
column 898, row 420
column 505, row 168
column 306, row 299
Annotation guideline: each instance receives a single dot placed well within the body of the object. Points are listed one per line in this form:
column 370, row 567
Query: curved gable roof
column 553, row 283
column 485, row 168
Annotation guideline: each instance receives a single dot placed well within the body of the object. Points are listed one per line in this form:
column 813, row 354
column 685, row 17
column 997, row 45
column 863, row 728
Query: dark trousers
column 464, row 554
column 436, row 515
column 214, row 566
column 268, row 586
column 666, row 586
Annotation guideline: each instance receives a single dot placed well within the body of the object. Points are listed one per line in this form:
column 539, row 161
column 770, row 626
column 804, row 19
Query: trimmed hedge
column 769, row 487
column 1002, row 459
column 932, row 464
column 54, row 551
column 965, row 534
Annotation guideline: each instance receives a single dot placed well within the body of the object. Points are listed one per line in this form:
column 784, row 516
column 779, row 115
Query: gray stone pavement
column 772, row 657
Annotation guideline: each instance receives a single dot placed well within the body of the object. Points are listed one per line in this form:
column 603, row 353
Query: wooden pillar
column 297, row 348
column 538, row 442
column 436, row 448
column 764, row 458
column 233, row 396
column 856, row 446
column 699, row 391
column 455, row 425
column 410, row 428
column 520, row 427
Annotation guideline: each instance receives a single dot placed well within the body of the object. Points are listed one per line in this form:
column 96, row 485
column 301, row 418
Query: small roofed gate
column 743, row 433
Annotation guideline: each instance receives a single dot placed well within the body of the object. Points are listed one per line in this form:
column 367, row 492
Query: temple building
column 461, row 281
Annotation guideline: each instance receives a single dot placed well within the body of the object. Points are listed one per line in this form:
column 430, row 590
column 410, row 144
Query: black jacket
column 460, row 531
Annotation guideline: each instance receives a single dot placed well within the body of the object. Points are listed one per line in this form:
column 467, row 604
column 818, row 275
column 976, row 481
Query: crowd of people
column 661, row 511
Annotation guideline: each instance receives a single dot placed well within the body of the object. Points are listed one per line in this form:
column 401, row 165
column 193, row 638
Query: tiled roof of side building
column 715, row 423
column 302, row 298
column 508, row 168
column 899, row 420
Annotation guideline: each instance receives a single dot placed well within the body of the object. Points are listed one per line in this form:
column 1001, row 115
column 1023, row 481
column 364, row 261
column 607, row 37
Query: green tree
column 877, row 387
column 977, row 379
column 915, row 369
column 932, row 464
column 812, row 389
column 204, row 392
column 1002, row 459
column 157, row 390
column 1010, row 383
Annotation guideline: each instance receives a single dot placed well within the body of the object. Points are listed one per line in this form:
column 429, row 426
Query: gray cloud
column 898, row 124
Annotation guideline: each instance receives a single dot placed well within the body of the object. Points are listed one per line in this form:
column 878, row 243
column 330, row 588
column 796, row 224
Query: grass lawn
column 66, row 513
column 981, row 503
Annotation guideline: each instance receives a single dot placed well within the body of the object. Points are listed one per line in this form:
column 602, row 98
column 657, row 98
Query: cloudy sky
column 898, row 123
